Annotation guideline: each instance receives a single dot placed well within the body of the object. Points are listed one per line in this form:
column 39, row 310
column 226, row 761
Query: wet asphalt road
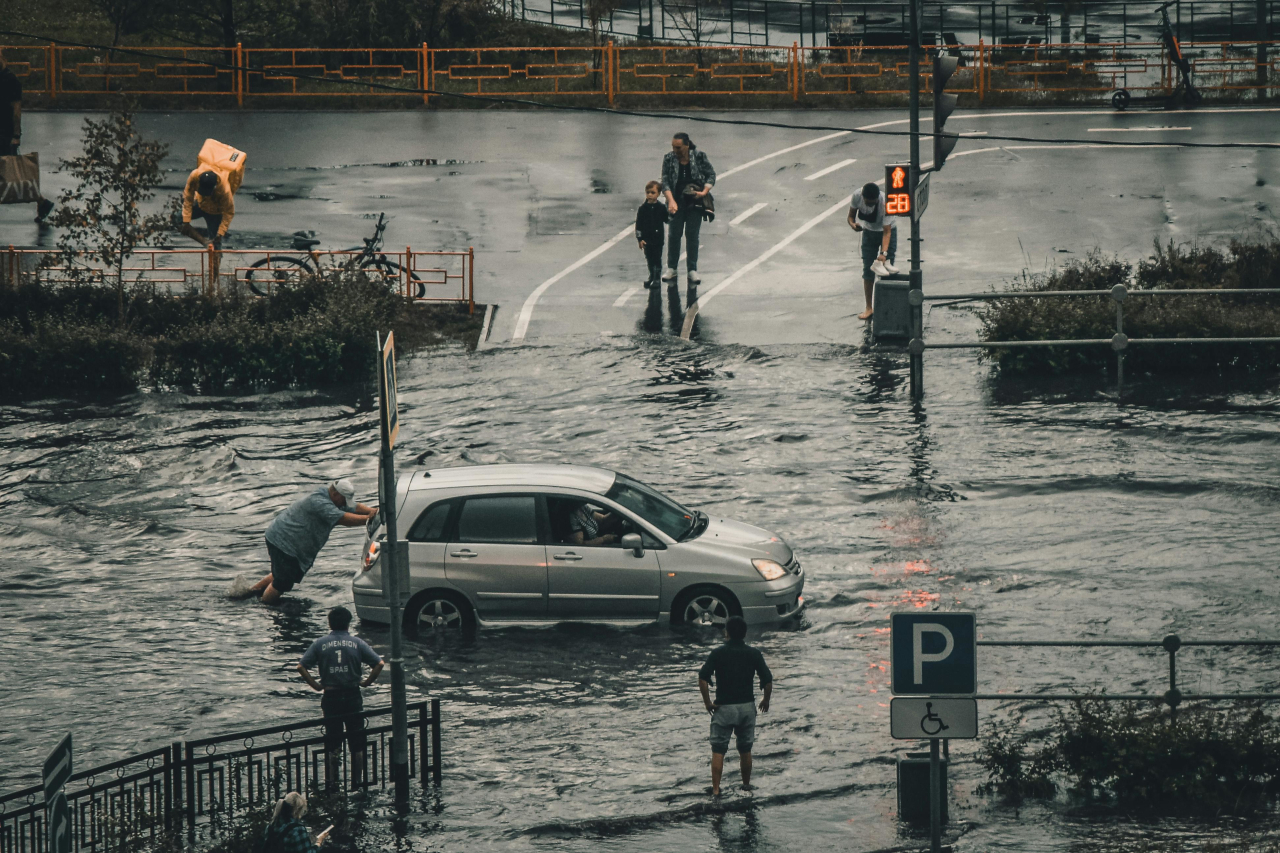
column 1047, row 511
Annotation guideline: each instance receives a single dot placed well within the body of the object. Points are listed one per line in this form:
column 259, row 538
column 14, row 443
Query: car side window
column 571, row 516
column 511, row 519
column 430, row 526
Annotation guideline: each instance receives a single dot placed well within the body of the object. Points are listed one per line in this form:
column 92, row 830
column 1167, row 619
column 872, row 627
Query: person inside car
column 587, row 523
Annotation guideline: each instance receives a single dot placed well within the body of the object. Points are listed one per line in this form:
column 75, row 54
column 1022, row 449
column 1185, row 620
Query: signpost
column 922, row 197
column 57, row 770
column 389, row 418
column 933, row 659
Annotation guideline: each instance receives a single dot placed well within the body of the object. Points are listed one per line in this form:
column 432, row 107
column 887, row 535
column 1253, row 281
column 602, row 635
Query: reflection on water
column 1066, row 515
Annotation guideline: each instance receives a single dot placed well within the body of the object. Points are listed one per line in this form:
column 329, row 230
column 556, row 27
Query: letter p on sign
column 933, row 654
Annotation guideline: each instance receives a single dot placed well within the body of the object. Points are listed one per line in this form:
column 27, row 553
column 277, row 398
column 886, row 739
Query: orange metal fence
column 418, row 276
column 609, row 71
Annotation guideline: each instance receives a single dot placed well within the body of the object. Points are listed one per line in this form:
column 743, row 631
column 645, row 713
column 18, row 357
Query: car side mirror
column 634, row 543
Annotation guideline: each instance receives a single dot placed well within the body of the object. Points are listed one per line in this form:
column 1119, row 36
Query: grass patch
column 317, row 331
column 1135, row 758
column 1239, row 265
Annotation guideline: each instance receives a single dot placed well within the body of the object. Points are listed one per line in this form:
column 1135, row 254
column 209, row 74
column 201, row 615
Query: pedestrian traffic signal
column 897, row 190
column 943, row 106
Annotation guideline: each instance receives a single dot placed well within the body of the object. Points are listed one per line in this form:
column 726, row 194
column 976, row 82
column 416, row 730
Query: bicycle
column 280, row 268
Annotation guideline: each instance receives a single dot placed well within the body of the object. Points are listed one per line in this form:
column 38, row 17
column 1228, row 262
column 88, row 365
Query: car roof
column 596, row 480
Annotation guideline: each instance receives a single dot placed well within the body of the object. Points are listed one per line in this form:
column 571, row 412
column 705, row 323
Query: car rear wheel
column 705, row 608
column 438, row 612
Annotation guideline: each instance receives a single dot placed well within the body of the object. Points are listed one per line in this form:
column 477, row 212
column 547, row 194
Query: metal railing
column 1172, row 644
column 1119, row 342
column 192, row 789
column 421, row 277
column 818, row 24
column 857, row 70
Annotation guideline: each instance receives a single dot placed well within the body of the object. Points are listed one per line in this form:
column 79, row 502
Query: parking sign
column 933, row 654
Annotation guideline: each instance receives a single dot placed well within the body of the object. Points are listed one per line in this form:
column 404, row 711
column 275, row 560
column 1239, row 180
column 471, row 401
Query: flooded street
column 1051, row 518
column 1053, row 511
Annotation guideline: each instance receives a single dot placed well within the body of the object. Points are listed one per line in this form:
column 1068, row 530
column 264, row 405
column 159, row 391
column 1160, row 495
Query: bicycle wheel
column 264, row 274
column 392, row 270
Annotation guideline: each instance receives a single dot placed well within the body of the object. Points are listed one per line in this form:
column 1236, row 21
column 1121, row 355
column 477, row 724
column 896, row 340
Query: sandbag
column 20, row 178
column 223, row 158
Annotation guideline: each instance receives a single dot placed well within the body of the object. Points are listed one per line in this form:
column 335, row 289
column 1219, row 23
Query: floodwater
column 1052, row 512
column 1049, row 516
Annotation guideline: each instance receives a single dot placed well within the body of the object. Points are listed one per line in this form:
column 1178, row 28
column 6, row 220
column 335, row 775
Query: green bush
column 314, row 332
column 1240, row 265
column 1206, row 760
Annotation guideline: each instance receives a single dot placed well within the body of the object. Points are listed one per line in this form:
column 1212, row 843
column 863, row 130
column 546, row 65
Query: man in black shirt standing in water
column 734, row 666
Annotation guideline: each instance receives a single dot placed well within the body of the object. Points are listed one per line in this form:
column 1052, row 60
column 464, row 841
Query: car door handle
column 569, row 556
column 463, row 553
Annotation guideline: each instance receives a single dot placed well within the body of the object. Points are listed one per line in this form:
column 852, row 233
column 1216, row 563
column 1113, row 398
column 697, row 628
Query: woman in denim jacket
column 687, row 177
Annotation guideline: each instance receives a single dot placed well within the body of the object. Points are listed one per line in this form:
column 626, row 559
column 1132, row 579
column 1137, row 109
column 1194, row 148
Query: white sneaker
column 878, row 267
column 669, row 274
column 694, row 278
column 891, row 268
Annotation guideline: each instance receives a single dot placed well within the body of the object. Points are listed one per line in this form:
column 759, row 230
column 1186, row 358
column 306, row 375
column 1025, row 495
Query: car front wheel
column 705, row 608
column 439, row 613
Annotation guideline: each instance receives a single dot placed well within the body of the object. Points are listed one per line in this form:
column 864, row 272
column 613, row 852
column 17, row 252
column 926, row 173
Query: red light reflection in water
column 909, row 530
column 917, row 598
column 910, row 567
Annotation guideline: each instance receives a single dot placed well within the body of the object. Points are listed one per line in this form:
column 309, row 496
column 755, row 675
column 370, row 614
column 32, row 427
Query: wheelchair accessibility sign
column 928, row 717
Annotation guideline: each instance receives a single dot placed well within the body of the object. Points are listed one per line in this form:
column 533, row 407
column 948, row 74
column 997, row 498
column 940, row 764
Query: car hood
column 746, row 539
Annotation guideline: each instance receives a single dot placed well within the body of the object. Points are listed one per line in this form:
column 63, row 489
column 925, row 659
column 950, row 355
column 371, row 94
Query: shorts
column 738, row 720
column 339, row 706
column 212, row 221
column 871, row 249
column 285, row 569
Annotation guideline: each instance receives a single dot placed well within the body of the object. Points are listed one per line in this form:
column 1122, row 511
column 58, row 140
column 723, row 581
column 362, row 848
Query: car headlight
column 371, row 554
column 770, row 570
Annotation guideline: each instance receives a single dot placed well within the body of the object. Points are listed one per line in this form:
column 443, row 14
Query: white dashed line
column 828, row 170
column 626, row 294
column 1133, row 129
column 755, row 208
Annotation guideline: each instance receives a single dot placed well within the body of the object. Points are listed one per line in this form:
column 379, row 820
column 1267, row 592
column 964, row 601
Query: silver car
column 498, row 544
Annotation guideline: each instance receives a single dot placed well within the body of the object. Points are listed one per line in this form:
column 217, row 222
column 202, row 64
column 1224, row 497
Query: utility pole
column 391, row 570
column 916, row 290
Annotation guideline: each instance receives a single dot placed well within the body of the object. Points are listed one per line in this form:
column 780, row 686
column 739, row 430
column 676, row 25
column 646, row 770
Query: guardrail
column 420, row 277
column 1119, row 342
column 1172, row 697
column 1219, row 68
column 191, row 788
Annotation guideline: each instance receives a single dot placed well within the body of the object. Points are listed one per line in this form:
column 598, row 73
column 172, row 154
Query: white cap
column 347, row 489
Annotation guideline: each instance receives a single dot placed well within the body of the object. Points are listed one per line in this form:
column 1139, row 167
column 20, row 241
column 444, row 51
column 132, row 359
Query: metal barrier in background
column 1226, row 69
column 189, row 790
column 1172, row 644
column 1119, row 342
column 419, row 276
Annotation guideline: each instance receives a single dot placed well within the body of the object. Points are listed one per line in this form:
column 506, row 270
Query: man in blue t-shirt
column 340, row 657
column 734, row 667
column 297, row 534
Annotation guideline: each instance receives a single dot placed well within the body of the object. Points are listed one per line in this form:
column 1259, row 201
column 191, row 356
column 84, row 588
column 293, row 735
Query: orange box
column 225, row 159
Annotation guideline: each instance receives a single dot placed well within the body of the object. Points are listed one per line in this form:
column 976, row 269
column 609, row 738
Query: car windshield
column 663, row 513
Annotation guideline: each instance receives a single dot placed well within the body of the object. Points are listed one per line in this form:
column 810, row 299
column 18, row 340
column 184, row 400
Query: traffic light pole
column 916, row 290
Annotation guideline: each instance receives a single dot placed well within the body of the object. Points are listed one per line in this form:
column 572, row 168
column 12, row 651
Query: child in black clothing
column 650, row 218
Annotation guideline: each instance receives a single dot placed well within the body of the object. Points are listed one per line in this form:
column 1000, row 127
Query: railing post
column 1263, row 35
column 173, row 789
column 239, row 75
column 425, row 76
column 188, row 766
column 471, row 280
column 49, row 66
column 424, row 752
column 436, row 764
column 1173, row 697
column 981, row 71
column 1119, row 341
column 608, row 70
column 796, row 70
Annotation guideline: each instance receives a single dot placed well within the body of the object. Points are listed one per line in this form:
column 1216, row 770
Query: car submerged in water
column 496, row 544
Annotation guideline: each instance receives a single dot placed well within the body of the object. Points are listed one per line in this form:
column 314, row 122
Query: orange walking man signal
column 897, row 198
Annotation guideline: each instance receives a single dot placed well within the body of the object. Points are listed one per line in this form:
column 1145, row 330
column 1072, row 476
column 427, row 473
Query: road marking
column 626, row 294
column 827, row 171
column 526, row 311
column 755, row 208
column 1133, row 129
column 692, row 313
column 968, row 133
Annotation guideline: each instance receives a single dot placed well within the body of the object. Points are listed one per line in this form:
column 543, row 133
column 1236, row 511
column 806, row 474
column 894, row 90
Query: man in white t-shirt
column 879, row 239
